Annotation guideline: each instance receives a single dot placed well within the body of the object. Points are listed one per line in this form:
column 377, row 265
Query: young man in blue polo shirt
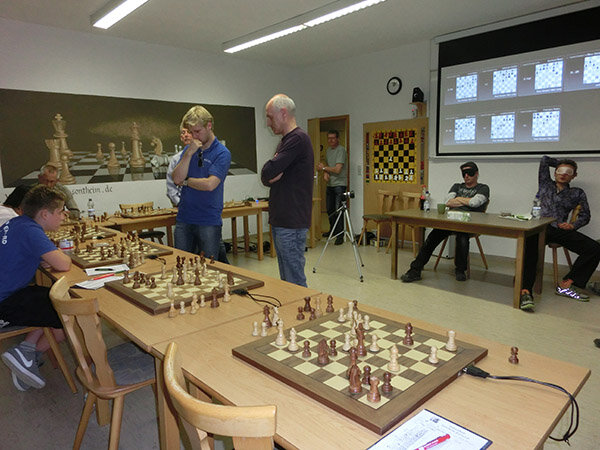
column 23, row 247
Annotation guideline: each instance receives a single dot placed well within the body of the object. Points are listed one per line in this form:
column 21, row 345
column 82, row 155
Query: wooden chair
column 55, row 356
column 251, row 427
column 410, row 200
column 83, row 329
column 555, row 248
column 472, row 236
column 386, row 201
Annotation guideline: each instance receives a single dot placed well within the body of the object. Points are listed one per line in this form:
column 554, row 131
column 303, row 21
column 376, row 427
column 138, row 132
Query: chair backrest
column 411, row 200
column 83, row 329
column 386, row 200
column 135, row 207
column 251, row 427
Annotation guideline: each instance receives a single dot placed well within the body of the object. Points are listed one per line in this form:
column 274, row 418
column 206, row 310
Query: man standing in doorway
column 289, row 174
column 336, row 176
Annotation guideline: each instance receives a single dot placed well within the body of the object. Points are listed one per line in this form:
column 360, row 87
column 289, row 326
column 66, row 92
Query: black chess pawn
column 367, row 375
column 300, row 315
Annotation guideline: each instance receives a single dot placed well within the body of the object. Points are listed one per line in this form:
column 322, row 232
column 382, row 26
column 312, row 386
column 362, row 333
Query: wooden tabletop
column 511, row 414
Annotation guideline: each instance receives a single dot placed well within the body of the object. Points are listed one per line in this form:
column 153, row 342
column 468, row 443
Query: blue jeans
column 197, row 238
column 289, row 245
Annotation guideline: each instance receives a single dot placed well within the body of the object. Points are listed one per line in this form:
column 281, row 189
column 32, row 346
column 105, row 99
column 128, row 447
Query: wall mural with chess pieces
column 94, row 139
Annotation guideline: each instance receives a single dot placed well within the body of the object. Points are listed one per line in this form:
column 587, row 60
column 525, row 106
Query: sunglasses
column 200, row 159
column 469, row 171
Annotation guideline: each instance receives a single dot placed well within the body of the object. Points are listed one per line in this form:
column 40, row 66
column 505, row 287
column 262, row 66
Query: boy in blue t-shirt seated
column 23, row 247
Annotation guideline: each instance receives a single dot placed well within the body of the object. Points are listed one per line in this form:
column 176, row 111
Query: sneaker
column 410, row 276
column 597, row 342
column 326, row 234
column 572, row 292
column 526, row 302
column 460, row 275
column 23, row 362
column 594, row 287
column 339, row 240
column 20, row 385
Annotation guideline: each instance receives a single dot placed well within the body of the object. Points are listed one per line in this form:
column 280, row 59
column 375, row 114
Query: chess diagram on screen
column 394, row 156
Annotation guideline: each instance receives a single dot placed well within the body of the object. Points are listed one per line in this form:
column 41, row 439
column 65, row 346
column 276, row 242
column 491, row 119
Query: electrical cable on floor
column 574, row 422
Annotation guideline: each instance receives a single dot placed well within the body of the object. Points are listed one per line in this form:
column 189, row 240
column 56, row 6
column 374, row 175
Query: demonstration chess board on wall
column 155, row 300
column 417, row 381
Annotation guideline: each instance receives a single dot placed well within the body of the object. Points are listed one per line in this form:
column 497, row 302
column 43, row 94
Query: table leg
column 259, row 235
column 234, row 235
column 519, row 270
column 169, row 235
column 272, row 248
column 246, row 235
column 539, row 271
column 167, row 423
column 394, row 250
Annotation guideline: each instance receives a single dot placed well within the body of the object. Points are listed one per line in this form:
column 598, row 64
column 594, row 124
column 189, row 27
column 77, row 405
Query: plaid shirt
column 559, row 204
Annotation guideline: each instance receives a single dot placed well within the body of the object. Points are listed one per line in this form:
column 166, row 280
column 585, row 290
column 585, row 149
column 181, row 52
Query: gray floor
column 560, row 328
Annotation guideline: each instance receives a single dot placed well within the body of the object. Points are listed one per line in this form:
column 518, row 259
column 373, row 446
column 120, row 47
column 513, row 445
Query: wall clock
column 394, row 85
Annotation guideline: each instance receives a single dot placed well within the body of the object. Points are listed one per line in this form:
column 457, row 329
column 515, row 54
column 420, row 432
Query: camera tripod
column 342, row 214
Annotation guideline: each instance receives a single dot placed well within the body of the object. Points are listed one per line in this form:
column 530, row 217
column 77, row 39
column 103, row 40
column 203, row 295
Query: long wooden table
column 505, row 412
column 480, row 223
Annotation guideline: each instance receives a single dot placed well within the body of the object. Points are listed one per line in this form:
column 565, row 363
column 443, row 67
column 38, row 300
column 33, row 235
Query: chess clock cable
column 574, row 423
column 244, row 292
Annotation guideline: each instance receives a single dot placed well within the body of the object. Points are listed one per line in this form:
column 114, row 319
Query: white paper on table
column 96, row 284
column 426, row 427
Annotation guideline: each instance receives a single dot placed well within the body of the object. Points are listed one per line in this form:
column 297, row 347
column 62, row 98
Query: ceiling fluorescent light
column 342, row 12
column 331, row 11
column 262, row 40
column 114, row 11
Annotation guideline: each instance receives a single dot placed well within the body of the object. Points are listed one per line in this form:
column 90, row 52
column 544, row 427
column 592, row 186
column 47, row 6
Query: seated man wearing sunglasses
column 201, row 172
column 467, row 196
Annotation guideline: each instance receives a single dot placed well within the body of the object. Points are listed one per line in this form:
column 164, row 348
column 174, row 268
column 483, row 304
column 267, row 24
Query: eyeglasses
column 469, row 171
column 200, row 159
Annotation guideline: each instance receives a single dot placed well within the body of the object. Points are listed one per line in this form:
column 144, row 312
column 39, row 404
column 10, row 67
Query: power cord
column 244, row 292
column 574, row 422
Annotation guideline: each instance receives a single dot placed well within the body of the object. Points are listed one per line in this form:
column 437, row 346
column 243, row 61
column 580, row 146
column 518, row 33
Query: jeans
column 289, row 245
column 197, row 238
column 334, row 199
column 433, row 239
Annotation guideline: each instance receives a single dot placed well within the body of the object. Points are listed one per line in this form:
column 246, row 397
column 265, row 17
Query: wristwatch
column 184, row 182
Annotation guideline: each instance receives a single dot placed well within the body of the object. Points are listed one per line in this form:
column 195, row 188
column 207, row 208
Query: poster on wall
column 94, row 139
column 394, row 156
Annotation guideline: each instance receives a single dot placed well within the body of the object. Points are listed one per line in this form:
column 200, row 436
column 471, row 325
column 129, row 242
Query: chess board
column 394, row 156
column 155, row 301
column 66, row 232
column 149, row 213
column 88, row 170
column 85, row 259
column 417, row 381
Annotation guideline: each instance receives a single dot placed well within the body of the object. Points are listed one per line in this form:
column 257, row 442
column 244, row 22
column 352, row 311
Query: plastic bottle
column 536, row 209
column 423, row 196
column 426, row 202
column 90, row 208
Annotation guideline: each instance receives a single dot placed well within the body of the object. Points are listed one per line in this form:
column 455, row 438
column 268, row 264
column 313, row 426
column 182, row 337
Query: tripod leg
column 331, row 236
column 357, row 259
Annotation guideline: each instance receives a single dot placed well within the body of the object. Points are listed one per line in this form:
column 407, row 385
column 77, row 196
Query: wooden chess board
column 148, row 213
column 155, row 301
column 67, row 232
column 85, row 259
column 417, row 381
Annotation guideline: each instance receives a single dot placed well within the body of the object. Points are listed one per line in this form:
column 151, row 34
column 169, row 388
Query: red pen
column 435, row 442
column 106, row 275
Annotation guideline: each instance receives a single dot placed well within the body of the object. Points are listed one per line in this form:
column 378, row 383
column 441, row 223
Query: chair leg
column 392, row 237
column 437, row 261
column 115, row 423
column 59, row 359
column 402, row 236
column 568, row 256
column 362, row 233
column 481, row 252
column 555, row 265
column 413, row 234
column 85, row 418
column 378, row 236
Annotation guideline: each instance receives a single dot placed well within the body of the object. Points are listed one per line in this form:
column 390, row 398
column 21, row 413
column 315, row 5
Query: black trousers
column 433, row 240
column 334, row 196
column 587, row 249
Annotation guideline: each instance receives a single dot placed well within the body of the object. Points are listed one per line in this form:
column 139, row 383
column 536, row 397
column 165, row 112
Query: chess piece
column 366, row 322
column 408, row 340
column 99, row 154
column 300, row 315
column 360, row 334
column 181, row 307
column 230, row 280
column 318, row 311
column 341, row 317
column 163, row 272
column 350, row 314
column 202, row 301
column 123, row 151
column 65, row 174
column 451, row 344
column 332, row 349
column 354, row 377
column 293, row 347
column 172, row 310
column 323, row 351
column 433, row 358
column 214, row 303
column 126, row 279
column 387, row 383
column 307, row 306
column 255, row 329
column 152, row 283
column 275, row 314
column 374, row 396
column 514, row 359
column 54, row 149
column 226, row 295
column 346, row 347
column 366, row 375
column 313, row 314
column 280, row 340
column 263, row 329
column 194, row 305
column 329, row 308
column 306, row 352
column 137, row 158
column 267, row 319
column 374, row 347
column 393, row 365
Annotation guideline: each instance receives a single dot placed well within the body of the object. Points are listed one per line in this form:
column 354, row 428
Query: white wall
column 45, row 59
